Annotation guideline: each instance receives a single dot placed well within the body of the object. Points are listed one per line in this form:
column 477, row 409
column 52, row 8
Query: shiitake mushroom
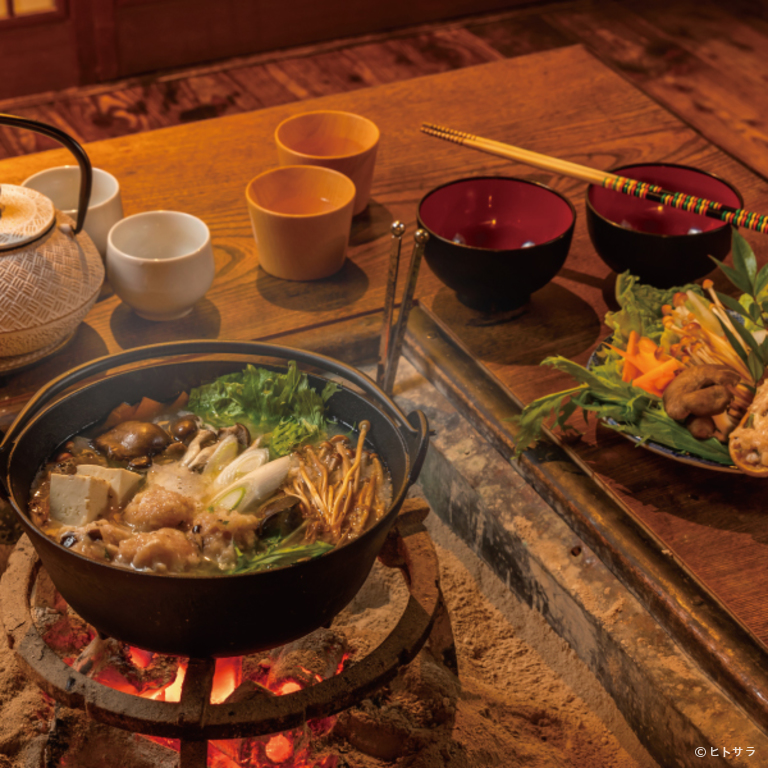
column 701, row 390
column 131, row 440
column 185, row 428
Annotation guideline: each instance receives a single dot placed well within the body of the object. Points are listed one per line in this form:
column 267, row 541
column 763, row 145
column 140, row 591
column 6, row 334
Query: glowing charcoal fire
column 77, row 722
column 279, row 672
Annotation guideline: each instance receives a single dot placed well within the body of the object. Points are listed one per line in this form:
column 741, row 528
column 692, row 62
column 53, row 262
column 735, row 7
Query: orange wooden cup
column 342, row 141
column 301, row 217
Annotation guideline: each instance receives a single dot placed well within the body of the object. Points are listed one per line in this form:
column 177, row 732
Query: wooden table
column 561, row 102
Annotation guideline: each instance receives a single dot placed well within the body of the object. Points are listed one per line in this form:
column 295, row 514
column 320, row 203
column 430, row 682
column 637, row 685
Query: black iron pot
column 205, row 615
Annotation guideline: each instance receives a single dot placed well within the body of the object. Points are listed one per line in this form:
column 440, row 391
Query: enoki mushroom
column 339, row 488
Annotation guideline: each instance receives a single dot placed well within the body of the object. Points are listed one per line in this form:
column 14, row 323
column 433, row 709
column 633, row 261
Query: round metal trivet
column 194, row 719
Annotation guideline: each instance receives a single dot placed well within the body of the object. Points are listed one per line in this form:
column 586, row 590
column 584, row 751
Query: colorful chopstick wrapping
column 701, row 206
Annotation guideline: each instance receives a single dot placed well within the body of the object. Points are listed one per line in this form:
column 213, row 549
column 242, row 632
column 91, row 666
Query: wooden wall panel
column 171, row 33
column 37, row 58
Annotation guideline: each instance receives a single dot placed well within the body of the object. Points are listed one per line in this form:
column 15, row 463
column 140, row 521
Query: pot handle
column 417, row 444
column 414, row 427
column 86, row 174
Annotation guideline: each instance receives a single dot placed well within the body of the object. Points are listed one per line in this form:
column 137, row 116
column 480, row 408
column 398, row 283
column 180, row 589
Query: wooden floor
column 702, row 59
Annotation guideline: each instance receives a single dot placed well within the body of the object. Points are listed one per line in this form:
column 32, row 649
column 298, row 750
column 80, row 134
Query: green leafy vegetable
column 641, row 307
column 278, row 555
column 623, row 408
column 628, row 409
column 283, row 406
column 753, row 304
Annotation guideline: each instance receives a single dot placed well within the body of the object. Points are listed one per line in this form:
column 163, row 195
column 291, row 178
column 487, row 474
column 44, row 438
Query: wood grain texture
column 701, row 60
column 38, row 58
column 714, row 523
column 149, row 36
column 160, row 103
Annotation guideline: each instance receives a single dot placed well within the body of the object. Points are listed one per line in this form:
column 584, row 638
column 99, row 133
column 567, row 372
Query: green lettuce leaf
column 641, row 308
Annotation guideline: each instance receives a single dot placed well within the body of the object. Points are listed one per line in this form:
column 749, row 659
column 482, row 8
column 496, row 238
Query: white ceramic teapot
column 50, row 270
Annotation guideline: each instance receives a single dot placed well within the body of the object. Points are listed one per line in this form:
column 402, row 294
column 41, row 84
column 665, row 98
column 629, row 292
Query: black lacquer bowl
column 663, row 246
column 201, row 616
column 496, row 240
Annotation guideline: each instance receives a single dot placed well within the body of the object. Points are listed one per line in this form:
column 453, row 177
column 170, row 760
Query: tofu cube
column 122, row 482
column 78, row 499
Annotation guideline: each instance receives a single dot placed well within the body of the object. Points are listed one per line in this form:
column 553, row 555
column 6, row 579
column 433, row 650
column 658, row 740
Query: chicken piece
column 217, row 534
column 158, row 507
column 98, row 540
column 164, row 551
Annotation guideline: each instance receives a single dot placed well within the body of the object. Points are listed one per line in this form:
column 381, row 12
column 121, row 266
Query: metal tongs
column 391, row 343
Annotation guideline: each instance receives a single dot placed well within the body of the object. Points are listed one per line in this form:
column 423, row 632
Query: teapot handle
column 86, row 174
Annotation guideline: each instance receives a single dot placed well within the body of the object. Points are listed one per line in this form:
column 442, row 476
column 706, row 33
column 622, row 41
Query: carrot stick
column 630, row 371
column 119, row 414
column 659, row 377
column 180, row 402
column 147, row 409
column 632, row 343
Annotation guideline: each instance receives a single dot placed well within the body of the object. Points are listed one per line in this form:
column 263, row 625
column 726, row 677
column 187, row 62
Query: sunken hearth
column 211, row 711
column 464, row 700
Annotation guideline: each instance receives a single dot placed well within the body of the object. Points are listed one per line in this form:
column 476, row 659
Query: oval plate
column 662, row 450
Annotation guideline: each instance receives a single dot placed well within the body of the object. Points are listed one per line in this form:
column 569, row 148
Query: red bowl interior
column 498, row 214
column 654, row 218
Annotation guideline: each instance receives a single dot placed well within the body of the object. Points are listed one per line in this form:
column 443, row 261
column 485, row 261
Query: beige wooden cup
column 342, row 141
column 301, row 217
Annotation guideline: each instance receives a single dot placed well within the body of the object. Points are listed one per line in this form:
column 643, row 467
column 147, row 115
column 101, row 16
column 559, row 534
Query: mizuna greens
column 282, row 405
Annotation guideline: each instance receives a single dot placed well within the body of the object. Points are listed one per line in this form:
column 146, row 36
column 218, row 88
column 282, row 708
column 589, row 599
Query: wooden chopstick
column 699, row 205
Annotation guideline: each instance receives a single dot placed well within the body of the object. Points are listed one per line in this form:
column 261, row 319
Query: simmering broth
column 243, row 475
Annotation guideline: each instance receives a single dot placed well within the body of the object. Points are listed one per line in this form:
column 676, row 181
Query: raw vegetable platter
column 662, row 450
column 709, row 346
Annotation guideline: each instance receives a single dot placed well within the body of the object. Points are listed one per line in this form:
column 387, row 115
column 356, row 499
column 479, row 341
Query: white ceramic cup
column 62, row 186
column 160, row 263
